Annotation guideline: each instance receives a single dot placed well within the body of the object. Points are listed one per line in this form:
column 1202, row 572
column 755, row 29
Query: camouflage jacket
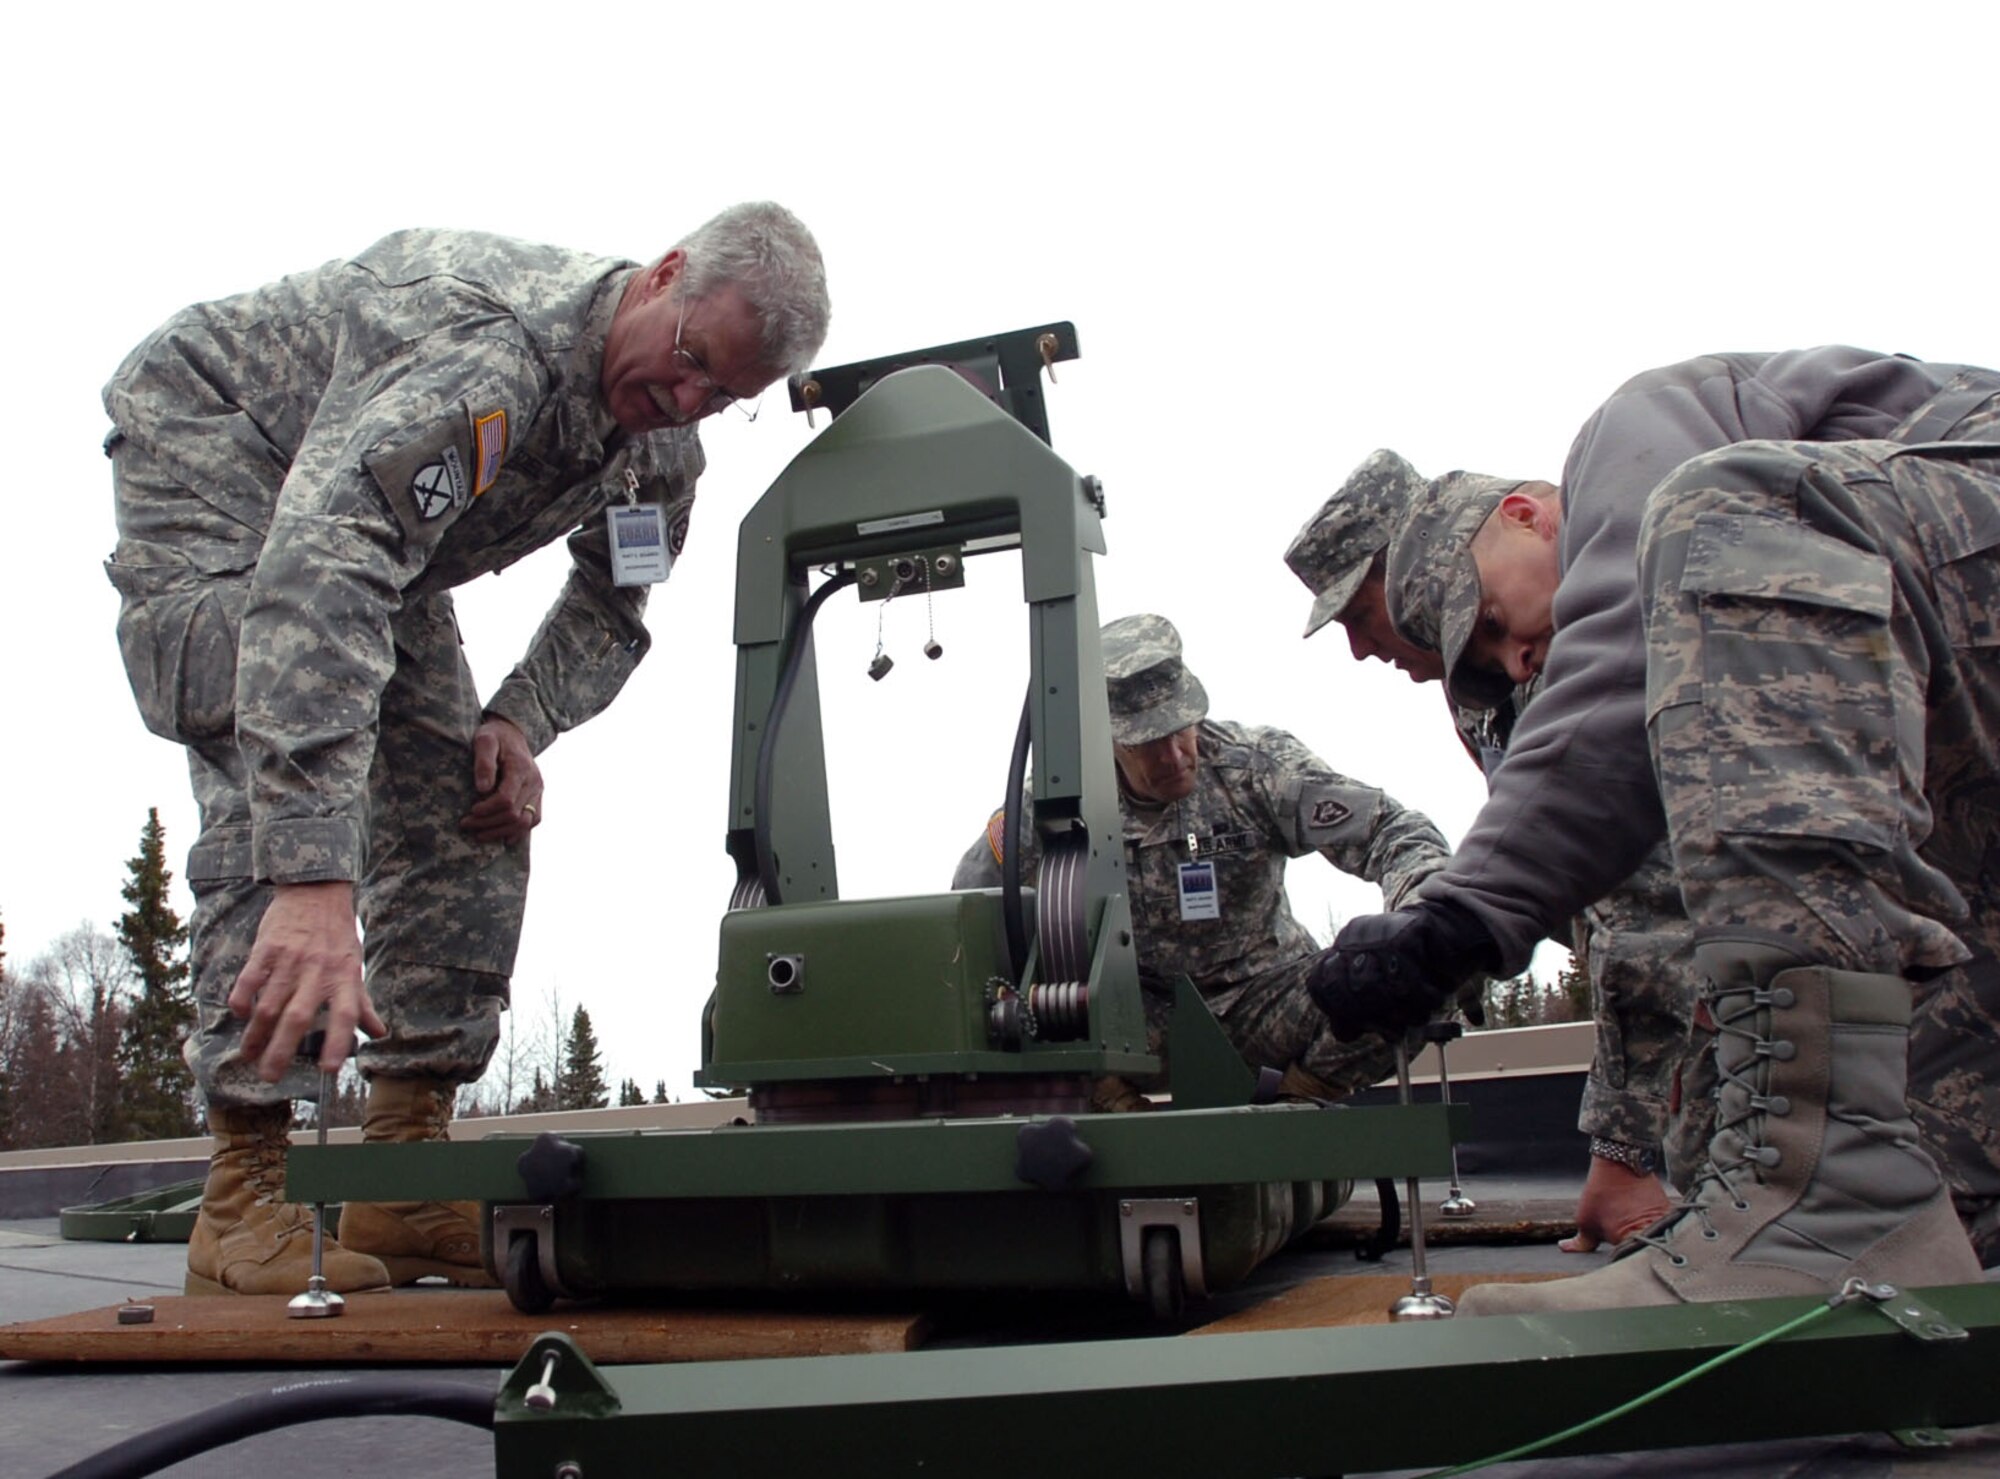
column 1573, row 809
column 393, row 425
column 1260, row 797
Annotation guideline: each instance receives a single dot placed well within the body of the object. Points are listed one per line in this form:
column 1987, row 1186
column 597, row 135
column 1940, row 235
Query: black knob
column 1050, row 1154
column 551, row 1168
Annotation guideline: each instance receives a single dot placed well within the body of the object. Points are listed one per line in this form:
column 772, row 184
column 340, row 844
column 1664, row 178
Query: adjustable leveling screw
column 318, row 1302
column 1420, row 1303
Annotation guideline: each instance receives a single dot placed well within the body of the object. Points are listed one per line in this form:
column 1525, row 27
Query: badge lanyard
column 638, row 531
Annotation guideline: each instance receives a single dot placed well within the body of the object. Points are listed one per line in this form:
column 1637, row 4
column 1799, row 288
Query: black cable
column 767, row 747
column 313, row 1400
column 1010, row 846
column 1386, row 1235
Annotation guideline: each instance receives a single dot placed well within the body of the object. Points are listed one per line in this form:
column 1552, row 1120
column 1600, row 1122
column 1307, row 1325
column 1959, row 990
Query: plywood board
column 1347, row 1299
column 450, row 1327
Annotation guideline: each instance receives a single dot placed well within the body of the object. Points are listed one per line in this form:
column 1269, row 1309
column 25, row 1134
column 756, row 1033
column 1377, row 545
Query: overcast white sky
column 1286, row 234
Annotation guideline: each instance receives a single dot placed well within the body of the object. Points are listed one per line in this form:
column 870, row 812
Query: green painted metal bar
column 165, row 1214
column 1305, row 1402
column 1184, row 1148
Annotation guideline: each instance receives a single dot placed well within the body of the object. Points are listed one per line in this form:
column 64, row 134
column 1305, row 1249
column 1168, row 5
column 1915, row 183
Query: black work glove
column 1388, row 973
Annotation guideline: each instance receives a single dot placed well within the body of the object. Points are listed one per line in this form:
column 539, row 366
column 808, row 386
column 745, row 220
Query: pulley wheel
column 1059, row 908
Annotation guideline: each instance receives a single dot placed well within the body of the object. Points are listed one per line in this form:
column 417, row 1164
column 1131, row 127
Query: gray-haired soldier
column 1634, row 945
column 302, row 474
column 1212, row 810
column 1760, row 603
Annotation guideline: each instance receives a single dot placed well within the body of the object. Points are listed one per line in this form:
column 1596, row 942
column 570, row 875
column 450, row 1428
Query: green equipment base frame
column 1305, row 1402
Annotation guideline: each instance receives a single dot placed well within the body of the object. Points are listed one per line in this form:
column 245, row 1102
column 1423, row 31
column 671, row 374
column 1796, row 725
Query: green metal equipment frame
column 1304, row 1402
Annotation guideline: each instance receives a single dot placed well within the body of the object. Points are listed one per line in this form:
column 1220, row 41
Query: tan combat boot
column 248, row 1238
column 1814, row 1175
column 415, row 1239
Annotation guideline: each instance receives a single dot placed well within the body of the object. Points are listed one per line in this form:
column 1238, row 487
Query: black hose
column 313, row 1400
column 1386, row 1235
column 767, row 747
column 1010, row 846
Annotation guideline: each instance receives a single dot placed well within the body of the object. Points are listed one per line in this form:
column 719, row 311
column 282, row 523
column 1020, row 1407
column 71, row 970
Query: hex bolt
column 869, row 575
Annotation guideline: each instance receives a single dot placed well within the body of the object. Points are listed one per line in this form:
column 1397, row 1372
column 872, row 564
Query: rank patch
column 489, row 450
column 438, row 486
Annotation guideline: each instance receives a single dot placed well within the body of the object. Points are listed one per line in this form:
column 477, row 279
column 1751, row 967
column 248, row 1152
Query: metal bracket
column 1005, row 368
column 1183, row 1215
column 556, row 1377
column 1925, row 1323
column 539, row 1223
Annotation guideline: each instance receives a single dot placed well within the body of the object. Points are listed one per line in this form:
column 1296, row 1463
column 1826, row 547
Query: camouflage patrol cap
column 1433, row 585
column 1333, row 552
column 1152, row 693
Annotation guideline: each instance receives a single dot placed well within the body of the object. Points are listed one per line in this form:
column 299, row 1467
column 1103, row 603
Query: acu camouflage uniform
column 302, row 473
column 1260, row 798
column 1823, row 703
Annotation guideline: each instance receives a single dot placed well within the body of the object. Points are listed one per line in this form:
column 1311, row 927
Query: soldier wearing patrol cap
column 1632, row 946
column 1340, row 556
column 1760, row 605
column 1212, row 810
column 1646, row 1105
column 302, row 474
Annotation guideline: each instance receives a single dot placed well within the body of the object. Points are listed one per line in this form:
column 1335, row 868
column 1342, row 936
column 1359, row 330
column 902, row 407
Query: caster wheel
column 1160, row 1264
column 523, row 1280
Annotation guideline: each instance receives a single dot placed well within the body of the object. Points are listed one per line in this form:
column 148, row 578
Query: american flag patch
column 489, row 435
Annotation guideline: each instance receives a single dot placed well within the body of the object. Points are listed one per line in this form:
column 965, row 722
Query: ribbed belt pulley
column 1059, row 997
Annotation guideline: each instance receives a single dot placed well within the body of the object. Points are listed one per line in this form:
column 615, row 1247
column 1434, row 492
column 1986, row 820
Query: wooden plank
column 1347, row 1299
column 452, row 1327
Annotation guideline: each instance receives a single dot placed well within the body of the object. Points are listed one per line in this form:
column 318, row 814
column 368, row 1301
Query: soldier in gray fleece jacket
column 1802, row 552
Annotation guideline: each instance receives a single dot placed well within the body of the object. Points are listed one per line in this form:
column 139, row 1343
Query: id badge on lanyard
column 638, row 533
column 1199, row 896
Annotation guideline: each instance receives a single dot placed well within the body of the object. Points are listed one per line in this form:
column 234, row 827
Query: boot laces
column 1753, row 1156
column 266, row 1173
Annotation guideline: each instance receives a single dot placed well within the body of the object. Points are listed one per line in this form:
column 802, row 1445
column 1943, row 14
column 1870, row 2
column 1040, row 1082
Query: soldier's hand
column 1616, row 1203
column 1388, row 973
column 508, row 781
column 307, row 956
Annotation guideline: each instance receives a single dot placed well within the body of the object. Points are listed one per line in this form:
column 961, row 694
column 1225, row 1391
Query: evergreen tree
column 660, row 1092
column 582, row 1085
column 628, row 1093
column 540, row 1098
column 157, row 1093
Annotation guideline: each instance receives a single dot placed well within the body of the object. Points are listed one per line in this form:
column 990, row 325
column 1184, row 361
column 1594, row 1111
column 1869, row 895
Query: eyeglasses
column 718, row 397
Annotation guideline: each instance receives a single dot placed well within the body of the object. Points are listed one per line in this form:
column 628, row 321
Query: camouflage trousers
column 1636, row 948
column 440, row 914
column 1823, row 704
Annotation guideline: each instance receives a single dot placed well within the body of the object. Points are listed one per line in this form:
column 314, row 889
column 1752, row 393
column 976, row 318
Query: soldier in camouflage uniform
column 1798, row 689
column 1241, row 800
column 302, row 474
column 1634, row 945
